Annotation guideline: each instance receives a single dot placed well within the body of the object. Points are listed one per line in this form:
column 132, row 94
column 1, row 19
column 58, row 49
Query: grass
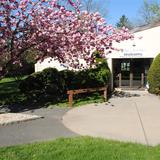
column 10, row 94
column 80, row 148
column 79, row 101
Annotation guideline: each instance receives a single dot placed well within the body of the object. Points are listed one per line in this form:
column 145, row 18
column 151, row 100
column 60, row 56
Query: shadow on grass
column 12, row 100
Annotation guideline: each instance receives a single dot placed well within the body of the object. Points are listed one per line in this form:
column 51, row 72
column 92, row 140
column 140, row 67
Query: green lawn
column 10, row 94
column 79, row 101
column 82, row 148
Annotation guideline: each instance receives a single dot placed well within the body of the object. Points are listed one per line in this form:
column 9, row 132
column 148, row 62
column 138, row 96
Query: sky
column 131, row 8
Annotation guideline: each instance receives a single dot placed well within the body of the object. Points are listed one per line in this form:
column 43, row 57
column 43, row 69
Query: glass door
column 125, row 71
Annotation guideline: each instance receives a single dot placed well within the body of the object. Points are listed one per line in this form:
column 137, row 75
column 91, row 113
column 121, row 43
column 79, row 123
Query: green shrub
column 154, row 76
column 48, row 81
column 68, row 77
column 103, row 73
column 53, row 82
column 32, row 82
column 89, row 78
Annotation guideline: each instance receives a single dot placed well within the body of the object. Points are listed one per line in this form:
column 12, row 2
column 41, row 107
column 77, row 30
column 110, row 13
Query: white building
column 129, row 66
column 39, row 66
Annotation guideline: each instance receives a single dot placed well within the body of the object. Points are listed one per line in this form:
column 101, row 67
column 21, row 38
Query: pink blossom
column 54, row 31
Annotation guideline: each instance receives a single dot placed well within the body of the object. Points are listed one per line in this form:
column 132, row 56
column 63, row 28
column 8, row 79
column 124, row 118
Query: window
column 125, row 66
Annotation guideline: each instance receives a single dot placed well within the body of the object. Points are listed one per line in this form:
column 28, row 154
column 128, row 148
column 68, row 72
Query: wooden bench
column 87, row 90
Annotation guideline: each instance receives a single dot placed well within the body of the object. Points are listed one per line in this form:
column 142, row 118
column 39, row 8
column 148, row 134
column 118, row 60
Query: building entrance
column 131, row 73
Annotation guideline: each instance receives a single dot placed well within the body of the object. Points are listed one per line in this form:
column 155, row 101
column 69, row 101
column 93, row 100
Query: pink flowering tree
column 54, row 31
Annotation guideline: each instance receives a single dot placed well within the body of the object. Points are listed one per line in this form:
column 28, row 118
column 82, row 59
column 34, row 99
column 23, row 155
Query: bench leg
column 70, row 100
column 105, row 95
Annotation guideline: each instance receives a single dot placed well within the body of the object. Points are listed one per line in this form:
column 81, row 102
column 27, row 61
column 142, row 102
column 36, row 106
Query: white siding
column 145, row 45
column 39, row 66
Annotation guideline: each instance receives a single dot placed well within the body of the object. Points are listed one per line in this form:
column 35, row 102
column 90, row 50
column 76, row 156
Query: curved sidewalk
column 133, row 119
column 48, row 128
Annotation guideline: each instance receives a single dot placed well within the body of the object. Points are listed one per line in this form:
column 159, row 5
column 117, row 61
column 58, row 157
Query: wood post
column 142, row 80
column 131, row 80
column 105, row 94
column 73, row 92
column 70, row 99
column 120, row 80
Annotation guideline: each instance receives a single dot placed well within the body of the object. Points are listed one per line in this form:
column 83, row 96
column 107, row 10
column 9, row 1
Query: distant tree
column 150, row 11
column 95, row 6
column 28, row 59
column 155, row 9
column 145, row 12
column 124, row 22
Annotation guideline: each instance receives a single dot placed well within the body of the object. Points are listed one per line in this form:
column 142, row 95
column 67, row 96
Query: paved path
column 134, row 119
column 48, row 128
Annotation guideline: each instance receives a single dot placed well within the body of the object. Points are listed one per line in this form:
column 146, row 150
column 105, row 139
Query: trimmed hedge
column 53, row 82
column 154, row 76
column 48, row 81
column 90, row 78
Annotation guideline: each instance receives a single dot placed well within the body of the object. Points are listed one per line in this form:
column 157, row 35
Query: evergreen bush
column 154, row 76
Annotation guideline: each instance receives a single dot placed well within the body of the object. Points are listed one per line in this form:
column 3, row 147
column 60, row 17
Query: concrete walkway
column 133, row 119
column 48, row 128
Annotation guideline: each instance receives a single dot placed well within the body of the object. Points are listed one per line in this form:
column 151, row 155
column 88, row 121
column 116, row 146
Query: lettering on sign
column 133, row 53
